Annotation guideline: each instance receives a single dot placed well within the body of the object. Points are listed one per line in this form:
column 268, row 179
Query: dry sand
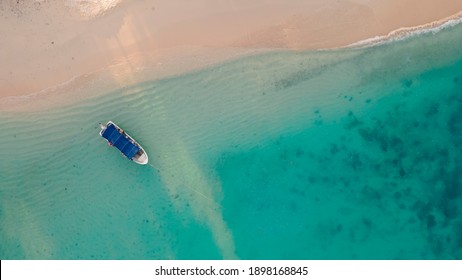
column 56, row 52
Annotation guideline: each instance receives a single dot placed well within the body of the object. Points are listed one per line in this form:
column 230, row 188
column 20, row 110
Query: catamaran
column 118, row 138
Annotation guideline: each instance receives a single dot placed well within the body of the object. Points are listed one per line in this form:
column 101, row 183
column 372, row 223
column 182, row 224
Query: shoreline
column 129, row 59
column 404, row 33
column 102, row 81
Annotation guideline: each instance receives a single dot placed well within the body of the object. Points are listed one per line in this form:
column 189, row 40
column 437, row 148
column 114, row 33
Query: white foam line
column 407, row 32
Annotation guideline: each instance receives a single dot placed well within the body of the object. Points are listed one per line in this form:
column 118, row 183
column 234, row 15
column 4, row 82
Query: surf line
column 196, row 191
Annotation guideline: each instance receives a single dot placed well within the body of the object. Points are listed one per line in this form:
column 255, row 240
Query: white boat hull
column 141, row 157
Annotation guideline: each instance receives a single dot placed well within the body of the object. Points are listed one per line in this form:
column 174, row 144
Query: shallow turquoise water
column 348, row 154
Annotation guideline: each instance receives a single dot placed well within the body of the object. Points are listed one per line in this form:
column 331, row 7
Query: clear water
column 348, row 154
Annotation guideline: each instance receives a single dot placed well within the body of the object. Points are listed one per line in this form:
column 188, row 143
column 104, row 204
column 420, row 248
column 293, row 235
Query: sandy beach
column 51, row 51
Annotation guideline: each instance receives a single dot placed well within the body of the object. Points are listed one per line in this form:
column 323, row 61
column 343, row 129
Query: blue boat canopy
column 120, row 141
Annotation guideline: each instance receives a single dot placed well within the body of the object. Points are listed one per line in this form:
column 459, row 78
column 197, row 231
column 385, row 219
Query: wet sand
column 56, row 54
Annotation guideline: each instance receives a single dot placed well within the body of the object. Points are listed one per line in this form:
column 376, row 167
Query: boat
column 118, row 138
